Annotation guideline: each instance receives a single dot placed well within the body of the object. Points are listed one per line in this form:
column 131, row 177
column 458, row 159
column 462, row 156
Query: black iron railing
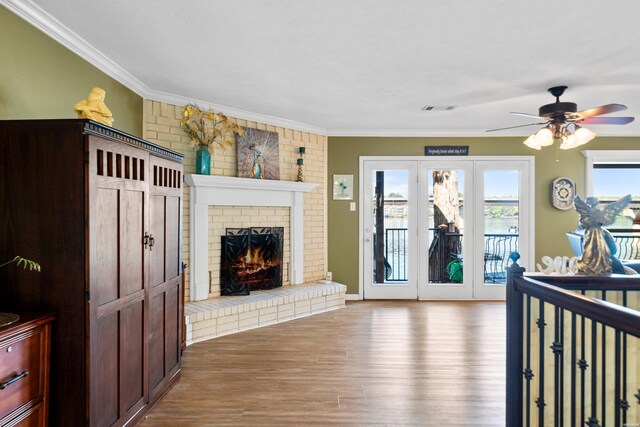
column 572, row 350
column 445, row 248
column 497, row 248
column 396, row 252
column 628, row 246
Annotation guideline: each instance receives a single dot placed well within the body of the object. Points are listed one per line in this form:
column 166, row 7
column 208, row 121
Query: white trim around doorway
column 528, row 263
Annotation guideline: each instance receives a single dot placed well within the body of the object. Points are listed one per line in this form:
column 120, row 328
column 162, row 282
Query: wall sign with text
column 446, row 150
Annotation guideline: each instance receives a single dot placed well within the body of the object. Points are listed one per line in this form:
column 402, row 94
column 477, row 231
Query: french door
column 443, row 228
column 390, row 227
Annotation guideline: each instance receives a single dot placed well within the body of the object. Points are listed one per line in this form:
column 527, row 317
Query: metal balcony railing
column 573, row 350
column 497, row 248
column 628, row 246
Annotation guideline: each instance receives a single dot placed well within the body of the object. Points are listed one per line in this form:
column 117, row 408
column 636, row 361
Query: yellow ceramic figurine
column 94, row 108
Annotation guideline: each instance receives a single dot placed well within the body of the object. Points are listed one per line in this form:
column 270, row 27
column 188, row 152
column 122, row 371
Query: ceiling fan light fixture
column 558, row 118
column 544, row 137
column 583, row 135
column 531, row 143
column 569, row 141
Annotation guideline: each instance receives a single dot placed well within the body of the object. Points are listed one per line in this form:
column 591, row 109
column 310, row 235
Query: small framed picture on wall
column 342, row 187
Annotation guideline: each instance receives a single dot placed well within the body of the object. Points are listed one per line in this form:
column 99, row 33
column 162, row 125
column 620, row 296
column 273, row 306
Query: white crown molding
column 476, row 133
column 49, row 25
column 169, row 98
column 407, row 132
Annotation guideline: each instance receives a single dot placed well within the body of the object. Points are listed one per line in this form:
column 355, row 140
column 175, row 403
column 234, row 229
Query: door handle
column 149, row 241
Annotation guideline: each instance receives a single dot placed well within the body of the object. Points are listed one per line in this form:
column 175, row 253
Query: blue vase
column 203, row 161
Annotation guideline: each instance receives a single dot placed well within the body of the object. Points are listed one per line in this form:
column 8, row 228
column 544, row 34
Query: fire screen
column 251, row 260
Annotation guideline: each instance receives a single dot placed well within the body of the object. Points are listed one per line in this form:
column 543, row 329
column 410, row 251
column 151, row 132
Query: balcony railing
column 395, row 250
column 497, row 248
column 628, row 246
column 573, row 350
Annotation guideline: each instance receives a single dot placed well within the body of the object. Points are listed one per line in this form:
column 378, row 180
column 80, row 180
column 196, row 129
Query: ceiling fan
column 562, row 120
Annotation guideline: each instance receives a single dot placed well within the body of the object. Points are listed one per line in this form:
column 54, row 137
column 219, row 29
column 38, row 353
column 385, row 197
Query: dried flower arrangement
column 208, row 127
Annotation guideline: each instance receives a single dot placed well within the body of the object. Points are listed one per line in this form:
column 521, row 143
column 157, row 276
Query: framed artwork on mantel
column 258, row 154
column 342, row 187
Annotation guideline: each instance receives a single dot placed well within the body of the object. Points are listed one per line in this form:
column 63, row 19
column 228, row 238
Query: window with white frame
column 611, row 174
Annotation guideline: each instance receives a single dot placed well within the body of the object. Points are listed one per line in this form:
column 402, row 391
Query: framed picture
column 563, row 190
column 258, row 154
column 342, row 187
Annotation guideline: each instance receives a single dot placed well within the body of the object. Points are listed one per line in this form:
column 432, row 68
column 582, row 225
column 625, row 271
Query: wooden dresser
column 101, row 211
column 24, row 371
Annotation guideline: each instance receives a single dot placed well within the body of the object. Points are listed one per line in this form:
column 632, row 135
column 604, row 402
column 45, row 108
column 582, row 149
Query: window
column 611, row 175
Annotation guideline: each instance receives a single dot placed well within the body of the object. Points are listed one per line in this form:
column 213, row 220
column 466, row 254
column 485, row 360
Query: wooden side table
column 24, row 370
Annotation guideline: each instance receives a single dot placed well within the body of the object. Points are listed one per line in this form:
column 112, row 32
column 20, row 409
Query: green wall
column 41, row 79
column 550, row 223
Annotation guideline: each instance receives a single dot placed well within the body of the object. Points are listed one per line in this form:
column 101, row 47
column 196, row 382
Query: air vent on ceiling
column 438, row 107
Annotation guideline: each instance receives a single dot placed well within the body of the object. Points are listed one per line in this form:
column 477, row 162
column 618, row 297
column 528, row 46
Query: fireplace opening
column 251, row 259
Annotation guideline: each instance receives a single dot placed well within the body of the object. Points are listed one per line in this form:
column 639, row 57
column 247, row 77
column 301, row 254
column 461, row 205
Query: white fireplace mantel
column 205, row 191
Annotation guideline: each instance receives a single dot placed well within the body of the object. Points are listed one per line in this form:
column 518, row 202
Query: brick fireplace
column 217, row 191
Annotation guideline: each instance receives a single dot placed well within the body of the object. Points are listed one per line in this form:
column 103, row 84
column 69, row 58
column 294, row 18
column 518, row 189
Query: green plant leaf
column 25, row 263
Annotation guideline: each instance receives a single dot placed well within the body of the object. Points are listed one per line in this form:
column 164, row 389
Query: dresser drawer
column 34, row 417
column 21, row 372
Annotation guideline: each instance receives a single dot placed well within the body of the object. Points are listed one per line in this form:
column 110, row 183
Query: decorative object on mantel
column 598, row 243
column 9, row 318
column 258, row 154
column 300, row 162
column 563, row 190
column 342, row 187
column 206, row 128
column 94, row 108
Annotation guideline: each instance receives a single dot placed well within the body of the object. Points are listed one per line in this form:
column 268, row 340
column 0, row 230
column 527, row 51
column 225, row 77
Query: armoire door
column 118, row 218
column 165, row 272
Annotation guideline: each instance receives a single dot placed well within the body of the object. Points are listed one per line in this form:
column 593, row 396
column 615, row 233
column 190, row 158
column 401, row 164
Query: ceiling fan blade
column 598, row 111
column 606, row 120
column 521, row 126
column 530, row 115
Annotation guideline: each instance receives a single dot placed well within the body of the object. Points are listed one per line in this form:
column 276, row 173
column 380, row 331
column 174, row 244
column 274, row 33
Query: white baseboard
column 352, row 297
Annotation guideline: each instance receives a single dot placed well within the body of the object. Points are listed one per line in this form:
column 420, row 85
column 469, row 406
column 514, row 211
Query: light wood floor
column 371, row 363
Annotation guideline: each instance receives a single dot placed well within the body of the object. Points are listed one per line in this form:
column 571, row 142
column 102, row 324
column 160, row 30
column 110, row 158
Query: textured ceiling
column 369, row 66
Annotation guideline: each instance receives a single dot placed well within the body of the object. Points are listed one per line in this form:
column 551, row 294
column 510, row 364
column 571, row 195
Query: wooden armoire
column 101, row 211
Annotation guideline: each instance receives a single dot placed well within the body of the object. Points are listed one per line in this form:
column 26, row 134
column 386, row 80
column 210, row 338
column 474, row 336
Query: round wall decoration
column 563, row 190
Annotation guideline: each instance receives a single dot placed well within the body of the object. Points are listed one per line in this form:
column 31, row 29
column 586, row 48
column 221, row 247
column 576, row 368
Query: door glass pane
column 446, row 226
column 390, row 224
column 501, row 222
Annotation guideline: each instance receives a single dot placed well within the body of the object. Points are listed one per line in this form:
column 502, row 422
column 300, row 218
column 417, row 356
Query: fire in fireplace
column 251, row 259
